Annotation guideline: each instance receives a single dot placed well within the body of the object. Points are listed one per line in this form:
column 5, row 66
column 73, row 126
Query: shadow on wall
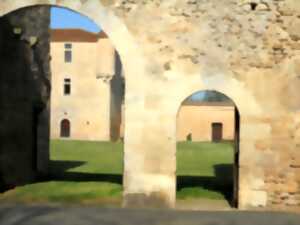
column 222, row 181
column 24, row 92
column 117, row 99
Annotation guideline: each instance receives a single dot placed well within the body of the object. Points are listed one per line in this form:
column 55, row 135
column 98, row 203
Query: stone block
column 263, row 145
column 255, row 131
column 258, row 198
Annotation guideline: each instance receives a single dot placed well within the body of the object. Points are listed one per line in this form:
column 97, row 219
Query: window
column 68, row 53
column 68, row 46
column 67, row 86
column 65, row 128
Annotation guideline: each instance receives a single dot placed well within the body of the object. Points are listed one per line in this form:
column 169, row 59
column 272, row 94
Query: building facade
column 82, row 65
column 206, row 121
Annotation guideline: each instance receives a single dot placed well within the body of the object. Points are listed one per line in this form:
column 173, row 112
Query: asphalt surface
column 58, row 215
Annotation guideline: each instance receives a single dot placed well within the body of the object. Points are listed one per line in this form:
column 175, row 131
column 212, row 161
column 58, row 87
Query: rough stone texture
column 245, row 49
column 25, row 88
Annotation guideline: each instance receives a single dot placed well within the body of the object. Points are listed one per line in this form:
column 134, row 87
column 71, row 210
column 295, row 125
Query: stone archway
column 149, row 176
column 182, row 51
column 212, row 120
column 115, row 29
column 249, row 113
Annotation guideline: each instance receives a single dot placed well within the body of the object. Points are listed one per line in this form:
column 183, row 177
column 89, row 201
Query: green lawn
column 204, row 170
column 91, row 173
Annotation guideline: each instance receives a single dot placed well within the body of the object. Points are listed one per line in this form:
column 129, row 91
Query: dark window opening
column 68, row 52
column 68, row 46
column 68, row 56
column 67, row 86
column 65, row 128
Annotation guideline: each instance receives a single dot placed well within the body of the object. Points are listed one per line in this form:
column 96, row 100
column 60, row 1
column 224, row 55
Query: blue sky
column 198, row 96
column 64, row 18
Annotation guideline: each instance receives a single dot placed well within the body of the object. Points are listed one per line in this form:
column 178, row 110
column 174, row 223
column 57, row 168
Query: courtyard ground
column 46, row 215
column 91, row 173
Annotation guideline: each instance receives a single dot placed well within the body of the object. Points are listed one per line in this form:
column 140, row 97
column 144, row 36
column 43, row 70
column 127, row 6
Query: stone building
column 248, row 50
column 206, row 121
column 82, row 65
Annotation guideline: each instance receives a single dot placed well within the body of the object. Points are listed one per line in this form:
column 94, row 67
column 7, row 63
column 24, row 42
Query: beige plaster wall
column 171, row 49
column 197, row 121
column 88, row 106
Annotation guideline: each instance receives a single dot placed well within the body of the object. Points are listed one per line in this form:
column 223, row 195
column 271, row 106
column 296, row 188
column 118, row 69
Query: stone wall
column 245, row 49
column 25, row 88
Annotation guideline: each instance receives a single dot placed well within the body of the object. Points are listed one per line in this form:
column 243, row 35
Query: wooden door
column 217, row 132
column 65, row 128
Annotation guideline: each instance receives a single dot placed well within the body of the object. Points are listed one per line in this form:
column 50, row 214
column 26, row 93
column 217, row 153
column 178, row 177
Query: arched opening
column 80, row 71
column 207, row 151
column 65, row 128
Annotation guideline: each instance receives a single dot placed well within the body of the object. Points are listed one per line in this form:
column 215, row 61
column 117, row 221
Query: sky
column 65, row 18
column 198, row 96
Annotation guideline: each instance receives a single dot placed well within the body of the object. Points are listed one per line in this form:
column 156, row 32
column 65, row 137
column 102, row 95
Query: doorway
column 65, row 128
column 217, row 132
column 207, row 164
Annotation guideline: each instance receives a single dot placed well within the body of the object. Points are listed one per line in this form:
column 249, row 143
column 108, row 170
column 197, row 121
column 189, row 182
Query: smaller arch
column 65, row 128
column 218, row 128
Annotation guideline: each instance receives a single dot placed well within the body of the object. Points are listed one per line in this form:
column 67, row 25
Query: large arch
column 111, row 25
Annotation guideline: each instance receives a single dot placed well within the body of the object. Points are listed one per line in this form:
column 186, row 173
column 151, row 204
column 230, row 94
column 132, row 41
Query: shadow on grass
column 222, row 182
column 60, row 166
column 59, row 172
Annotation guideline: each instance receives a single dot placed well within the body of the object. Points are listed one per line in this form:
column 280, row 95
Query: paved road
column 57, row 215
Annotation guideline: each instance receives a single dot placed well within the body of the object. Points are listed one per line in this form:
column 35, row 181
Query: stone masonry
column 245, row 49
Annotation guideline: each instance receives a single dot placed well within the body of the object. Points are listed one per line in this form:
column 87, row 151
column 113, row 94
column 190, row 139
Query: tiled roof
column 75, row 35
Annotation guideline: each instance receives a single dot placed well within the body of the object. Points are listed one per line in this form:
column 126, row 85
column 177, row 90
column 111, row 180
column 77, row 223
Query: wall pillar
column 254, row 136
column 150, row 153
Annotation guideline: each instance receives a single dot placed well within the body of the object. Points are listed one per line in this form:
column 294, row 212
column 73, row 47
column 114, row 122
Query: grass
column 204, row 170
column 91, row 173
column 200, row 158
